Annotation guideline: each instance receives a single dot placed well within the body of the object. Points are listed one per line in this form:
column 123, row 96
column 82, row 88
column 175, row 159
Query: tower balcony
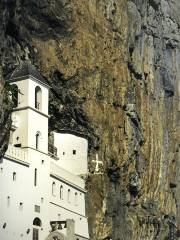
column 16, row 153
column 52, row 150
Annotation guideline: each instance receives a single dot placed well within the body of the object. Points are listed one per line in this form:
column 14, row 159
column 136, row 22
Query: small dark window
column 4, row 225
column 14, row 176
column 61, row 192
column 37, row 140
column 53, row 188
column 20, row 206
column 63, row 153
column 69, row 195
column 74, row 152
column 37, row 208
column 35, row 177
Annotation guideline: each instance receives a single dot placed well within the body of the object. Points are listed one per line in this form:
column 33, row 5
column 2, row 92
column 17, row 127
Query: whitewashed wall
column 66, row 143
column 23, row 190
column 29, row 121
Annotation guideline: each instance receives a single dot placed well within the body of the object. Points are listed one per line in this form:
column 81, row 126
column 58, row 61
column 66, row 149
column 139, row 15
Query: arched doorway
column 36, row 226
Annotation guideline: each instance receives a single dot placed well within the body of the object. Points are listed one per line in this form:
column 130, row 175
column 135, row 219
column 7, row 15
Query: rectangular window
column 35, row 234
column 35, row 177
column 74, row 152
column 37, row 208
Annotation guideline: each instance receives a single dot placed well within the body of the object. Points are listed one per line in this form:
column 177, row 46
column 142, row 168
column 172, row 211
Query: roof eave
column 25, row 78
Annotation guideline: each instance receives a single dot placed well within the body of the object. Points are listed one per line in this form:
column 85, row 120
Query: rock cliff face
column 5, row 102
column 114, row 68
column 5, row 119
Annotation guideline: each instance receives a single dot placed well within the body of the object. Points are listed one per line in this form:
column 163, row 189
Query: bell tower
column 30, row 113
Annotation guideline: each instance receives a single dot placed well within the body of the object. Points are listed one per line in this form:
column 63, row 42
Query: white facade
column 31, row 120
column 35, row 187
column 72, row 152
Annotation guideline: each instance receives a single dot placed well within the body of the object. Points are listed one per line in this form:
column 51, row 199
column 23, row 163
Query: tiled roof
column 26, row 69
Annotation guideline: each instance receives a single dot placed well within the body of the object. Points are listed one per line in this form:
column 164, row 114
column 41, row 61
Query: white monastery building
column 42, row 192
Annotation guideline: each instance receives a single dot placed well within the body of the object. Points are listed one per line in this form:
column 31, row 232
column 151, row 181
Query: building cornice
column 37, row 150
column 77, row 235
column 25, row 77
column 34, row 109
column 16, row 161
column 69, row 210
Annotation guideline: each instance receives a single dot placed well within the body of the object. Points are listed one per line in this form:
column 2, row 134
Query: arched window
column 37, row 222
column 61, row 192
column 53, row 188
column 14, row 176
column 38, row 98
column 38, row 134
column 76, row 198
column 20, row 206
column 69, row 195
column 8, row 201
column 14, row 92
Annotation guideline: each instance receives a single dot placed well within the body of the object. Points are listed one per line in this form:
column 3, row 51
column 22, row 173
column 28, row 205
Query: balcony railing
column 37, row 105
column 16, row 153
column 52, row 150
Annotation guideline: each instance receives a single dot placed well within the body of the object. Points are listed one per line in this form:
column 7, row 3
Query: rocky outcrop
column 5, row 119
column 113, row 66
column 5, row 102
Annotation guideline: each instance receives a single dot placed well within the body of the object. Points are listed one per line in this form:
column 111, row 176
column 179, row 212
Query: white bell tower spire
column 30, row 108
